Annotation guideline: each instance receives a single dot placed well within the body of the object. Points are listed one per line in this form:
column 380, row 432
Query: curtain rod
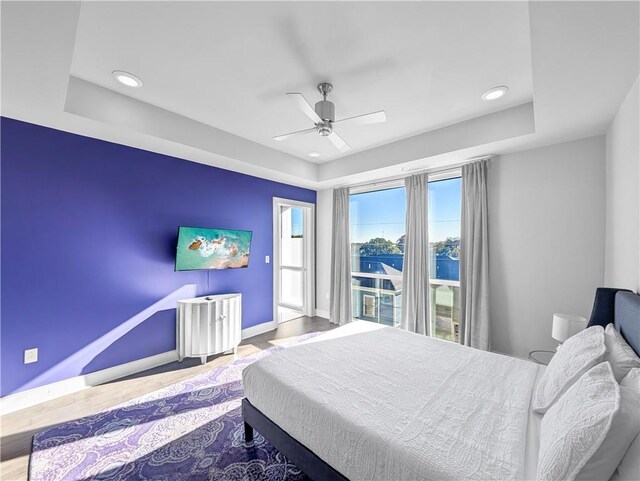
column 433, row 170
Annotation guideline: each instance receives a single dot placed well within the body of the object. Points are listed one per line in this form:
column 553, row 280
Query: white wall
column 324, row 208
column 622, row 245
column 547, row 218
column 546, row 229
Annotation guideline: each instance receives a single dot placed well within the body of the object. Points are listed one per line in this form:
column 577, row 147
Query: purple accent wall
column 89, row 232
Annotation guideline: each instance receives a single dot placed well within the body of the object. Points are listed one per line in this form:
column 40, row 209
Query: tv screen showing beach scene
column 200, row 248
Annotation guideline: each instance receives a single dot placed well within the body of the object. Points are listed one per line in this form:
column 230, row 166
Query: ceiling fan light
column 325, row 129
column 323, row 117
column 495, row 93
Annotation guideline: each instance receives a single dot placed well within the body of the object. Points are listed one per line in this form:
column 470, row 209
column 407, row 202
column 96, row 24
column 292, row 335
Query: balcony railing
column 445, row 308
column 378, row 298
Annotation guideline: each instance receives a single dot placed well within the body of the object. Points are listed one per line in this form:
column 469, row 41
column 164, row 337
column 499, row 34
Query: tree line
column 381, row 246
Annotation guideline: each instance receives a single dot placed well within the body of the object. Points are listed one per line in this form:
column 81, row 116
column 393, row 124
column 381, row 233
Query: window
column 444, row 254
column 291, row 256
column 377, row 254
column 377, row 233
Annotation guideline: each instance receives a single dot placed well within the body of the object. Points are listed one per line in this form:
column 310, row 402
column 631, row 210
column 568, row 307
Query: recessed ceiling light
column 495, row 93
column 127, row 78
column 314, row 154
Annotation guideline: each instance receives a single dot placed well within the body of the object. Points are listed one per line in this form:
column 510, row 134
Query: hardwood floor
column 18, row 428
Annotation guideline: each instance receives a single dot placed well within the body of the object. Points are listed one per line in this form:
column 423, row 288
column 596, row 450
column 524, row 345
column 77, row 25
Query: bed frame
column 305, row 459
column 624, row 312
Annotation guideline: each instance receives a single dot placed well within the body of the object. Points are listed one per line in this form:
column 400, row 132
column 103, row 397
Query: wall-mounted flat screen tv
column 200, row 248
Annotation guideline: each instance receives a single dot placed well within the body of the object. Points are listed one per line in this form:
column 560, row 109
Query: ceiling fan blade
column 372, row 118
column 338, row 142
column 303, row 105
column 299, row 132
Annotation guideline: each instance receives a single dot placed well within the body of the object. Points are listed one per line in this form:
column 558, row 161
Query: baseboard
column 259, row 329
column 31, row 397
column 322, row 313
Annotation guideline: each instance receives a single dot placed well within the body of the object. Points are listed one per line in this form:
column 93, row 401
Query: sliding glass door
column 377, row 232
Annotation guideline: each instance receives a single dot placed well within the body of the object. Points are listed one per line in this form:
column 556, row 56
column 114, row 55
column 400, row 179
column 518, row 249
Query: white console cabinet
column 208, row 325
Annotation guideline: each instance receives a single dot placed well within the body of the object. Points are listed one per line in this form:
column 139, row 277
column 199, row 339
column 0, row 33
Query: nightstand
column 541, row 356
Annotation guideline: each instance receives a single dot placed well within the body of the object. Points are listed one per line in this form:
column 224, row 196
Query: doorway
column 293, row 259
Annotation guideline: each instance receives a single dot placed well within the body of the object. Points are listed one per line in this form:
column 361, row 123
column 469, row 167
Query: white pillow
column 629, row 467
column 632, row 379
column 576, row 356
column 624, row 429
column 577, row 424
column 620, row 354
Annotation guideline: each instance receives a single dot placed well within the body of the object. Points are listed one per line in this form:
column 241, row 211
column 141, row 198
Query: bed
column 370, row 402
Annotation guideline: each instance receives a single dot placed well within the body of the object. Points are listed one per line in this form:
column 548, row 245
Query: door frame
column 309, row 308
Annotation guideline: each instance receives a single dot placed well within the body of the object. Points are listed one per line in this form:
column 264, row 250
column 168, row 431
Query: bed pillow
column 576, row 426
column 624, row 429
column 620, row 354
column 576, row 356
column 629, row 467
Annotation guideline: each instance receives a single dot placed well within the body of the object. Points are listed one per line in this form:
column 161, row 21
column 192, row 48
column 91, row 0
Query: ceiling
column 229, row 65
column 215, row 75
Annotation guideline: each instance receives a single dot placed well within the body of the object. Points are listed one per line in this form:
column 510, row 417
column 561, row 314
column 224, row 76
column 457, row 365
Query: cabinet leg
column 180, row 358
column 248, row 433
column 203, row 360
column 235, row 350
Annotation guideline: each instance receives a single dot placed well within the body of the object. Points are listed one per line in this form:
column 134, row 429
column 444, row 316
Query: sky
column 296, row 221
column 382, row 213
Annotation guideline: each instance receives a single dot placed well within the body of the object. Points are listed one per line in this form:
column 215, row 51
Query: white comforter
column 383, row 404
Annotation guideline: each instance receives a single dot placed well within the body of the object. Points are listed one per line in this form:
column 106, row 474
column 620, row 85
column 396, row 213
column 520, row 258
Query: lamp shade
column 566, row 325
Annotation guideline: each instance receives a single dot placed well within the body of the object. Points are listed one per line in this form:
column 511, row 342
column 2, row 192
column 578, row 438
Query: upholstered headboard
column 627, row 318
column 603, row 311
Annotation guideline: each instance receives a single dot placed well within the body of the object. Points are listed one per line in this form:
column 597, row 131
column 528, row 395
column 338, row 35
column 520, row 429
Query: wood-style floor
column 18, row 428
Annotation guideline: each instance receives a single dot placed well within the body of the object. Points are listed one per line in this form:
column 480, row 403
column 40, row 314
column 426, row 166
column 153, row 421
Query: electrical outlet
column 267, row 259
column 31, row 355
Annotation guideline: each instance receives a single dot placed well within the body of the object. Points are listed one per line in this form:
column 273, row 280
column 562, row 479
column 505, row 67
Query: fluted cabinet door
column 208, row 325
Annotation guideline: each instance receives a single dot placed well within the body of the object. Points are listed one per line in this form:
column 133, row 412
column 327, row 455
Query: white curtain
column 474, row 257
column 415, row 273
column 340, row 307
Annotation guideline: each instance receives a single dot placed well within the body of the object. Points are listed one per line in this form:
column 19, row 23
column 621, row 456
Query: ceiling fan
column 323, row 116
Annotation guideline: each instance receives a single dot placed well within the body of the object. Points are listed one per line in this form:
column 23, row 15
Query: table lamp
column 566, row 325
